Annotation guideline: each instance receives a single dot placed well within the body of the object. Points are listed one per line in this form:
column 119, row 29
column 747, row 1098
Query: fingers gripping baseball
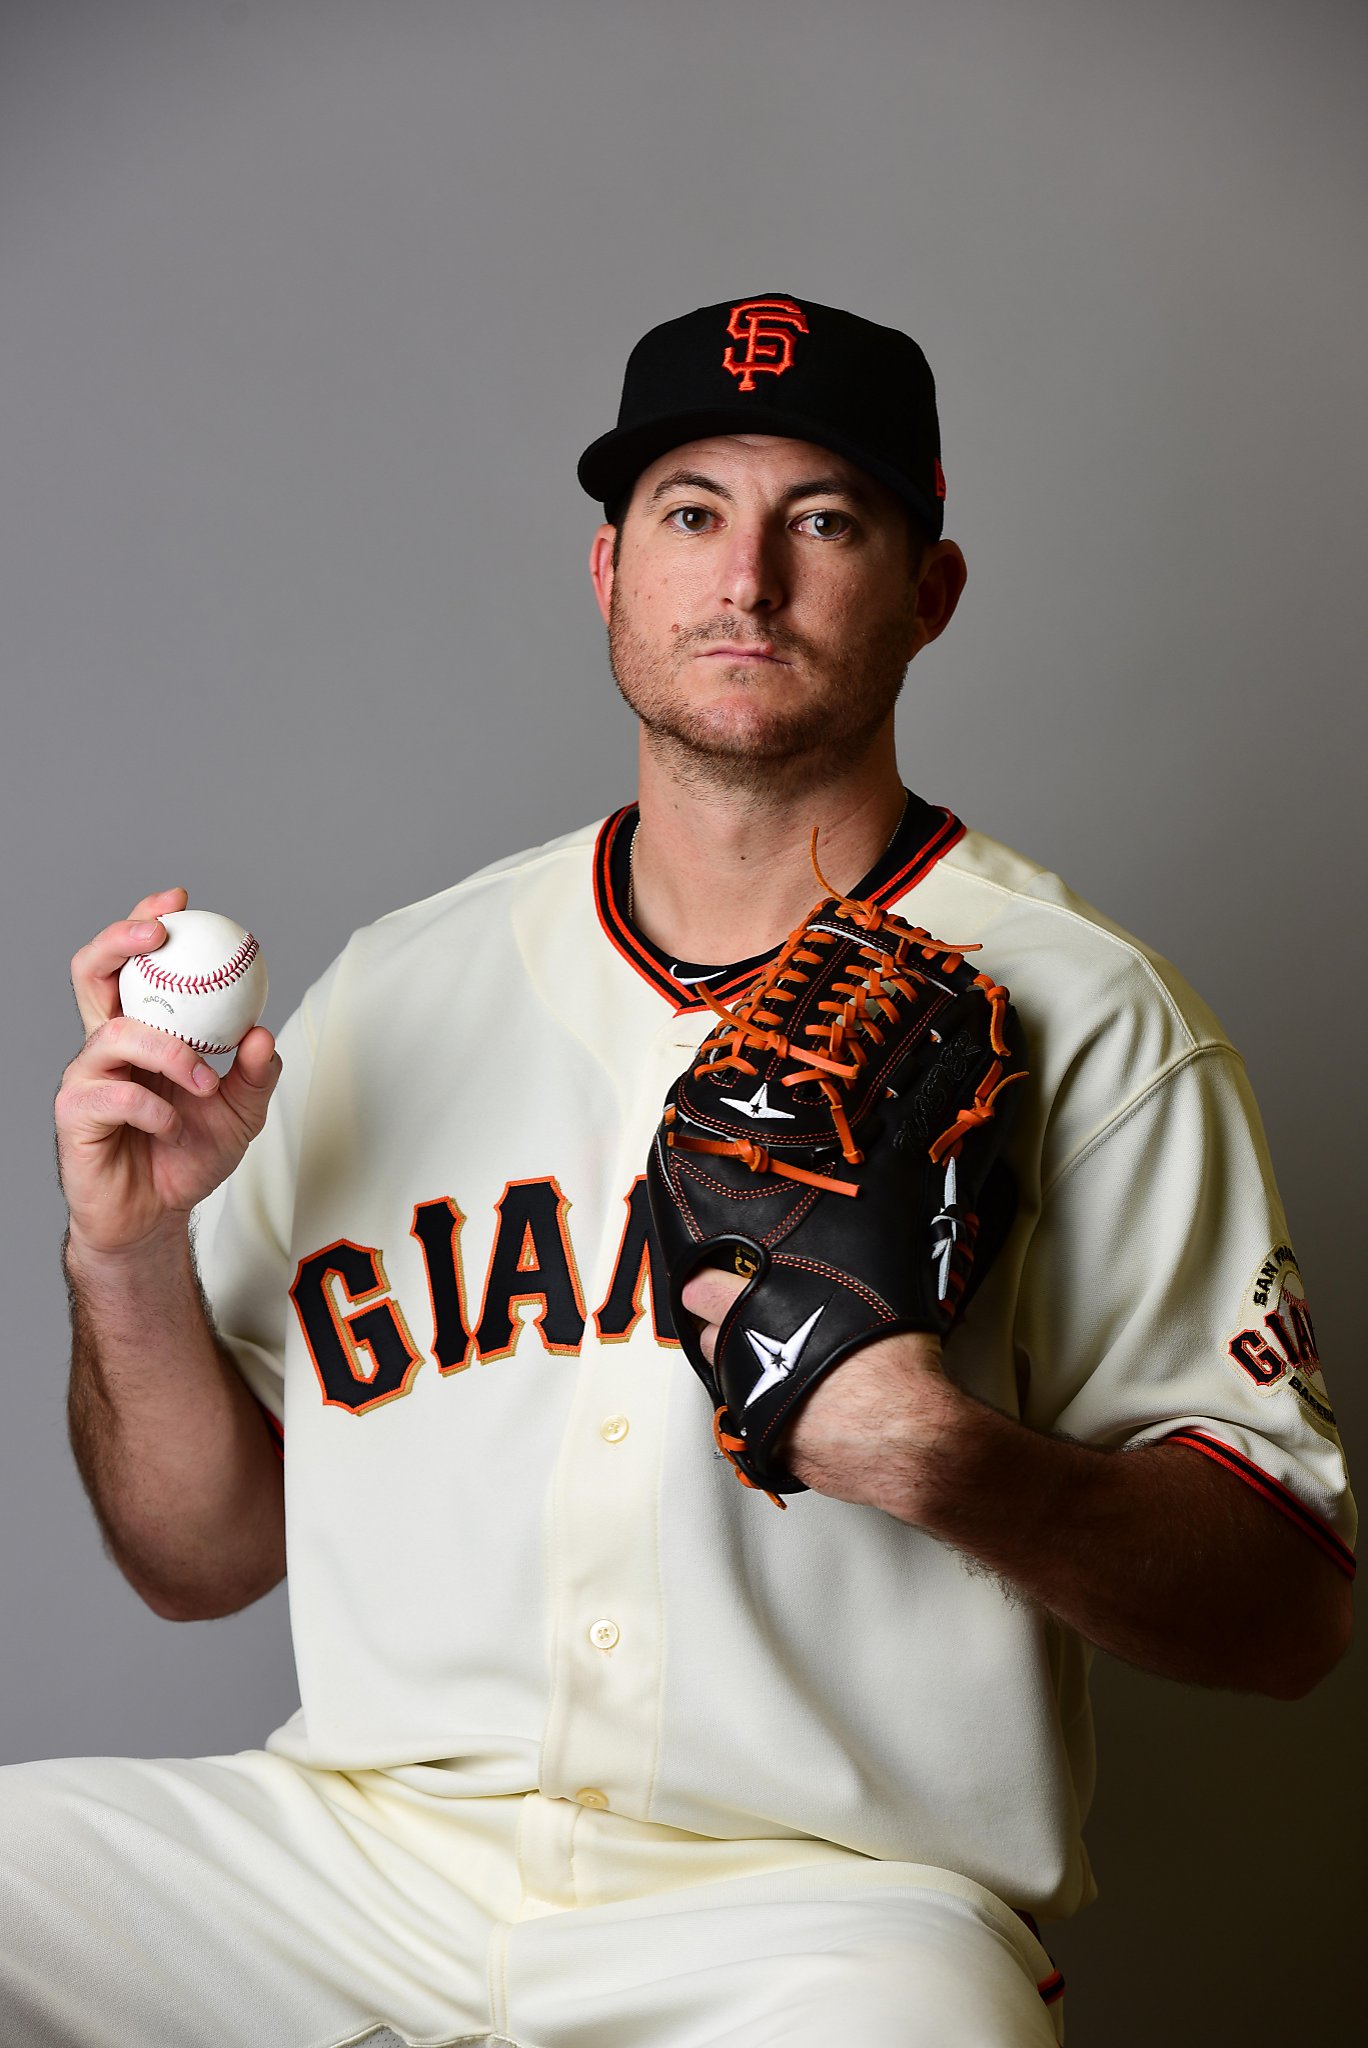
column 95, row 969
column 145, row 1127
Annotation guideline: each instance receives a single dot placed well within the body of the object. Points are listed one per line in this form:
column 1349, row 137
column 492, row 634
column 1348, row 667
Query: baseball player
column 595, row 1746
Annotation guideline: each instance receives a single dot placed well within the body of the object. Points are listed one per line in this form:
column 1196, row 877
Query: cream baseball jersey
column 513, row 1548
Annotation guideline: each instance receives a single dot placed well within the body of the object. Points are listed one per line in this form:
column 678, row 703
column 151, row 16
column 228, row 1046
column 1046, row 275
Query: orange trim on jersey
column 1271, row 1490
column 456, row 1223
column 614, row 921
column 532, row 1294
column 1051, row 1988
column 645, row 1274
column 367, row 1302
column 948, row 834
column 613, row 916
column 276, row 1427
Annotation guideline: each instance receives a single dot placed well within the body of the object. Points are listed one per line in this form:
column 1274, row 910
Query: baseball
column 207, row 984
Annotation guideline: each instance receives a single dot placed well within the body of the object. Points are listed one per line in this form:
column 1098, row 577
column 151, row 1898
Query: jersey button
column 604, row 1635
column 614, row 1429
column 589, row 1795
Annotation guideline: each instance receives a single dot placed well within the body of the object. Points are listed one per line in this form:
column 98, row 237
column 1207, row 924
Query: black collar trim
column 926, row 834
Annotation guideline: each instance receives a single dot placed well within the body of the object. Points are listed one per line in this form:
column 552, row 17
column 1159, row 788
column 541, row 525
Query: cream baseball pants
column 251, row 1902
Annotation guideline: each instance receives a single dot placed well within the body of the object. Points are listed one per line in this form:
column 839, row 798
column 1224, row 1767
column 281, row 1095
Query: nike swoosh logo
column 688, row 980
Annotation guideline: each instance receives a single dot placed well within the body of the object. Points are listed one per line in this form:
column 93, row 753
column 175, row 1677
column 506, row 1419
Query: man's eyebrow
column 810, row 487
column 689, row 479
column 828, row 487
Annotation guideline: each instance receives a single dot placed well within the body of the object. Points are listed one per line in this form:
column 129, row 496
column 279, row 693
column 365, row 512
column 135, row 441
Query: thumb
column 256, row 1068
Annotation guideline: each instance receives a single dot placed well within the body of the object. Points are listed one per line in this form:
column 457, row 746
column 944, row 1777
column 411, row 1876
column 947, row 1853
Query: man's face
column 764, row 606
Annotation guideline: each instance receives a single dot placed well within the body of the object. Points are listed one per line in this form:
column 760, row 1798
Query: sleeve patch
column 1275, row 1347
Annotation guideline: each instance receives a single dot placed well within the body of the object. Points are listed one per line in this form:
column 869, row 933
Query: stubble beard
column 783, row 752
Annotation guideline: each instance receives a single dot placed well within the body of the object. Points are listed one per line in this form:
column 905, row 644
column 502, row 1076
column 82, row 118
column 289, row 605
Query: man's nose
column 753, row 569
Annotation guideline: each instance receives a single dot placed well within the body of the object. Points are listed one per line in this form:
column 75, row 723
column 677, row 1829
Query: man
column 594, row 1746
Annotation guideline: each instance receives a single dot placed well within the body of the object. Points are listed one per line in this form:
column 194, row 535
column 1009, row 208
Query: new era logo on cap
column 772, row 364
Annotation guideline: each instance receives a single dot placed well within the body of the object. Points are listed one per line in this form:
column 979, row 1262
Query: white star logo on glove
column 778, row 1359
column 758, row 1105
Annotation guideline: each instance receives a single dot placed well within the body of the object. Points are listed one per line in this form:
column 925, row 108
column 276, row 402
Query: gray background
column 306, row 311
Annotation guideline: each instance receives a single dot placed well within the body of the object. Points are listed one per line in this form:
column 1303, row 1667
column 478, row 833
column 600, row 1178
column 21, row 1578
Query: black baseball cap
column 778, row 365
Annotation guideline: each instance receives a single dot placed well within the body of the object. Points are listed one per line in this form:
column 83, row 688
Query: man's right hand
column 145, row 1127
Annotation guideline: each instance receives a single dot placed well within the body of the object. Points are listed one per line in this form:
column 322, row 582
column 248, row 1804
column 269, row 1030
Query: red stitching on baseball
column 200, row 984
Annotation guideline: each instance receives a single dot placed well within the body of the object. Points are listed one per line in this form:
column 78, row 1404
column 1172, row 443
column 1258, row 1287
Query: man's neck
column 722, row 873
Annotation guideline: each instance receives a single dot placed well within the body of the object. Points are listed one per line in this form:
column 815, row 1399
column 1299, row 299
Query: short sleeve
column 1161, row 1299
column 244, row 1230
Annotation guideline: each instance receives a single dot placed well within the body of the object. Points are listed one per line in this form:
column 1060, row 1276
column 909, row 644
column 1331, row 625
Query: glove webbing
column 867, row 992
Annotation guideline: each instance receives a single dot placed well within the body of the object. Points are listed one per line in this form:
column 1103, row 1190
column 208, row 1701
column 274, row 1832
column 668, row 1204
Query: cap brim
column 611, row 465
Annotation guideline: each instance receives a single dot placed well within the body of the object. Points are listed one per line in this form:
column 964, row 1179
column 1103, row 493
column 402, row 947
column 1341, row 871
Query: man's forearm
column 174, row 1453
column 1154, row 1554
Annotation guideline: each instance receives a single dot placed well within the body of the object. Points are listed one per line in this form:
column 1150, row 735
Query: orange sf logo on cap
column 766, row 327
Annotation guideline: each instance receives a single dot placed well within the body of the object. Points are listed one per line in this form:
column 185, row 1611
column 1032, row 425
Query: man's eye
column 825, row 525
column 689, row 518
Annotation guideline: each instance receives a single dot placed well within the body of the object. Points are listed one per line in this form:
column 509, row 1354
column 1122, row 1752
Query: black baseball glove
column 836, row 1140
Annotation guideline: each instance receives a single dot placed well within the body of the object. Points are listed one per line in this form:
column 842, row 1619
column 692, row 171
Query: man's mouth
column 751, row 650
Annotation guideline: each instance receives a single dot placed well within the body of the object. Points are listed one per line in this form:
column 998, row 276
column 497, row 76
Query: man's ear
column 601, row 567
column 940, row 585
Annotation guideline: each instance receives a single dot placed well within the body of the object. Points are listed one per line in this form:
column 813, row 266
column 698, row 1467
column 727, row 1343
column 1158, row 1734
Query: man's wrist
column 115, row 1274
column 971, row 1471
column 935, row 1449
column 1003, row 1492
